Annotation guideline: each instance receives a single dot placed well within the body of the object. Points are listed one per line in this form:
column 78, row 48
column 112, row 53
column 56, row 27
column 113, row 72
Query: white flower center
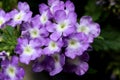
column 28, row 50
column 11, row 71
column 44, row 18
column 19, row 16
column 83, row 29
column 34, row 33
column 73, row 44
column 53, row 46
column 62, row 26
column 2, row 21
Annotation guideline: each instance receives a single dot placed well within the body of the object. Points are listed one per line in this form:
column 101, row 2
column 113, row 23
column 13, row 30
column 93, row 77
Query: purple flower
column 28, row 49
column 88, row 27
column 52, row 46
column 69, row 7
column 76, row 45
column 52, row 7
column 22, row 14
column 78, row 65
column 11, row 70
column 55, row 5
column 41, row 20
column 34, row 31
column 4, row 17
column 64, row 25
column 53, row 64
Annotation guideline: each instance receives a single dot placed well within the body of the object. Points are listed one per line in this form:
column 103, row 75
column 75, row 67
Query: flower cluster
column 52, row 39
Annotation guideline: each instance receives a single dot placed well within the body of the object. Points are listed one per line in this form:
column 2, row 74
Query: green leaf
column 9, row 37
column 8, row 5
column 111, row 41
column 93, row 10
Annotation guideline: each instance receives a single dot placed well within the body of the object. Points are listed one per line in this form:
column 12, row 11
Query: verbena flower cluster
column 52, row 39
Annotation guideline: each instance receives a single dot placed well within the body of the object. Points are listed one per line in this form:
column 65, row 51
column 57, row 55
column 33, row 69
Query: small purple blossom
column 76, row 45
column 53, row 64
column 64, row 25
column 33, row 31
column 88, row 27
column 52, row 46
column 41, row 20
column 69, row 7
column 11, row 70
column 55, row 5
column 28, row 50
column 78, row 65
column 23, row 13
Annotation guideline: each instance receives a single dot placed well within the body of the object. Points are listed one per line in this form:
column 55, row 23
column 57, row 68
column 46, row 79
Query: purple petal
column 46, row 51
column 50, row 27
column 58, row 69
column 37, row 68
column 43, row 7
column 23, row 6
column 2, row 12
column 85, row 20
column 44, row 32
column 35, row 43
column 14, row 60
column 60, row 16
column 39, row 52
column 57, row 6
column 95, row 29
column 20, row 73
column 51, row 2
column 25, row 59
column 81, row 68
column 69, row 31
column 69, row 6
column 27, row 17
column 72, row 17
column 70, row 53
column 35, row 20
column 59, row 61
column 55, row 36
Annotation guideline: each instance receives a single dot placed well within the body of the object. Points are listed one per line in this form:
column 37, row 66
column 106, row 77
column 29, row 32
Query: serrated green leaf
column 9, row 37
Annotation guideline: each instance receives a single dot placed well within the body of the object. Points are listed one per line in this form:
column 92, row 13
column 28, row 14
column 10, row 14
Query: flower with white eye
column 19, row 17
column 21, row 14
column 61, row 27
column 76, row 46
column 64, row 25
column 88, row 27
column 83, row 29
column 44, row 18
column 11, row 70
column 52, row 46
column 34, row 32
column 28, row 50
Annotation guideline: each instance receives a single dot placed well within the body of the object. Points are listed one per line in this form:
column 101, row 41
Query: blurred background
column 105, row 55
